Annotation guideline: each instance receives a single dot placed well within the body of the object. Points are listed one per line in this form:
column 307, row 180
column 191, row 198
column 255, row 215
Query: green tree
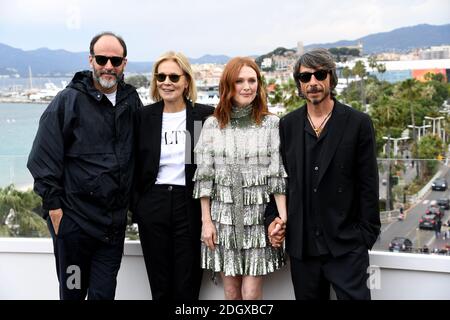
column 429, row 76
column 360, row 70
column 354, row 52
column 409, row 90
column 18, row 214
column 287, row 95
column 439, row 91
column 430, row 147
column 379, row 67
column 346, row 73
column 138, row 81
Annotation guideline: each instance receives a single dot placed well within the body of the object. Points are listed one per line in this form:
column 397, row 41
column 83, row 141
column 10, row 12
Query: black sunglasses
column 161, row 77
column 305, row 77
column 102, row 60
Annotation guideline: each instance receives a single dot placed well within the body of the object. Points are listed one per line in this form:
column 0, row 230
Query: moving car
column 428, row 221
column 443, row 203
column 435, row 209
column 400, row 244
column 440, row 184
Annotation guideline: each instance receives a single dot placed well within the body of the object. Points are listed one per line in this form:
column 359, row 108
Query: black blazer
column 148, row 152
column 347, row 184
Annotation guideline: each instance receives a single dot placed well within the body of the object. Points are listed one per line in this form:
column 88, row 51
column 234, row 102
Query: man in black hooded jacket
column 82, row 164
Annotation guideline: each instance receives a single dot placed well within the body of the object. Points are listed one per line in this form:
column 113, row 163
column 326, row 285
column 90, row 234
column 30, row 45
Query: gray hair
column 317, row 59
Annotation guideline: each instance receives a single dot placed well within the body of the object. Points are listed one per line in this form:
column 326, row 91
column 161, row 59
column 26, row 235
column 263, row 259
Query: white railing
column 27, row 271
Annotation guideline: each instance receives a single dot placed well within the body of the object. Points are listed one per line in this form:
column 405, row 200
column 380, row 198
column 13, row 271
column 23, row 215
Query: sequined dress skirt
column 255, row 258
column 239, row 191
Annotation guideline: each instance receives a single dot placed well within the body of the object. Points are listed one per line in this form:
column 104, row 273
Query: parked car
column 440, row 184
column 400, row 244
column 428, row 221
column 435, row 209
column 444, row 203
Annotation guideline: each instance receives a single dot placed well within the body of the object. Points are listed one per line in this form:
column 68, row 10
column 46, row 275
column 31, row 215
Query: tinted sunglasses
column 305, row 77
column 102, row 60
column 161, row 77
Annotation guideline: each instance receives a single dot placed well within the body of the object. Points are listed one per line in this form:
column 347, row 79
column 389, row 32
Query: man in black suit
column 328, row 150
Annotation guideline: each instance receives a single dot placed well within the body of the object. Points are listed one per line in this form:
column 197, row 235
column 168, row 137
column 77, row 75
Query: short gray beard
column 106, row 84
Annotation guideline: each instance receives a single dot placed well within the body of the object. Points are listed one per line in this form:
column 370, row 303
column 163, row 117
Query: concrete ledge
column 410, row 261
column 27, row 271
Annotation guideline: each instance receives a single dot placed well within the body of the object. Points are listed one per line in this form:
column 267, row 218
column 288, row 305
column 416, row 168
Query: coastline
column 16, row 100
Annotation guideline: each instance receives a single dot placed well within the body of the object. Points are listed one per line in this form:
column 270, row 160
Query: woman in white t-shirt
column 169, row 219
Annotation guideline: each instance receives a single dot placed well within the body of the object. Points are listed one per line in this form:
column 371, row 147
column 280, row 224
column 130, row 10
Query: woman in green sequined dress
column 238, row 168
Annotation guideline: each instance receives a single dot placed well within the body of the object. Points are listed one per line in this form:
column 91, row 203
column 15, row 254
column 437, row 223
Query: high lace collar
column 239, row 112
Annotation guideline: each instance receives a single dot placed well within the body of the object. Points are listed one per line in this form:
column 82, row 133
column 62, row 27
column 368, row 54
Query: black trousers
column 171, row 252
column 85, row 265
column 347, row 274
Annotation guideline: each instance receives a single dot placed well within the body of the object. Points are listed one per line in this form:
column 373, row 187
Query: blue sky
column 197, row 27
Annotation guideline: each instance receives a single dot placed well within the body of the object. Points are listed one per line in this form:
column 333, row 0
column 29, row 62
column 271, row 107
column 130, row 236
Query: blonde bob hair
column 183, row 63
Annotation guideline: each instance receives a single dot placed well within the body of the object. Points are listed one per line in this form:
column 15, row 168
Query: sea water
column 18, row 126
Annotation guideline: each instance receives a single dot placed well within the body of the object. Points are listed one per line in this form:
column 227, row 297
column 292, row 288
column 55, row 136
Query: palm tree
column 410, row 91
column 387, row 115
column 360, row 70
column 346, row 73
column 290, row 97
column 18, row 214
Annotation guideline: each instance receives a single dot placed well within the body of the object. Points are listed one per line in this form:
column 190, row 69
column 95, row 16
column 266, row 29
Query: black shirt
column 314, row 241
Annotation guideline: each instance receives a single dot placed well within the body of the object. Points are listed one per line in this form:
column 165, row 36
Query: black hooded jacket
column 82, row 157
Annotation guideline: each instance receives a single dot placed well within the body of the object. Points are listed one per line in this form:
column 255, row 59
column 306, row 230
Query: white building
column 266, row 63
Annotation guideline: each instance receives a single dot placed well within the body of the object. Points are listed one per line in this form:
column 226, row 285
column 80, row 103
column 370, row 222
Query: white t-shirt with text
column 173, row 153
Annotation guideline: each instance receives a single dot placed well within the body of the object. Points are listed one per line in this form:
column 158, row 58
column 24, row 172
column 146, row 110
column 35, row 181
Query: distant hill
column 42, row 61
column 398, row 40
column 278, row 51
column 207, row 58
column 46, row 62
column 146, row 67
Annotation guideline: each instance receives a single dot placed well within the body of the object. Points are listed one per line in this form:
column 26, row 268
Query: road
column 409, row 227
column 407, row 177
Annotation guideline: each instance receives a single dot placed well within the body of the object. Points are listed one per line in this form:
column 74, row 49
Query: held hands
column 209, row 234
column 277, row 230
column 55, row 217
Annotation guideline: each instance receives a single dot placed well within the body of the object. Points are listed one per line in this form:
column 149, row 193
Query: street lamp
column 396, row 140
column 388, row 152
column 434, row 119
column 420, row 129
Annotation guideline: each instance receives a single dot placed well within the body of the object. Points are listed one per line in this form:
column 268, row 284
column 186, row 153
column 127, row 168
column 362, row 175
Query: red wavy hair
column 227, row 92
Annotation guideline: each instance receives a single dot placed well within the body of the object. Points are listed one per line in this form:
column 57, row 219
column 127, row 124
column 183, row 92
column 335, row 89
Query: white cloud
column 197, row 27
column 45, row 12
